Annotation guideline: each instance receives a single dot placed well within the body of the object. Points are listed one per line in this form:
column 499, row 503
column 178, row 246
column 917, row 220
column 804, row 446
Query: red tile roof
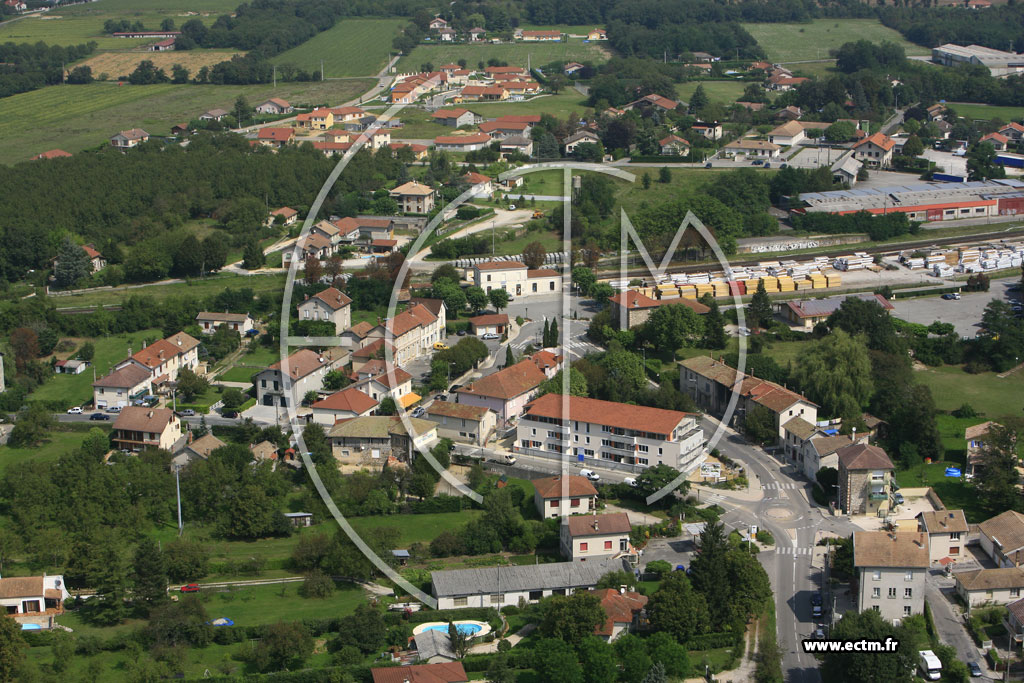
column 163, row 350
column 489, row 319
column 477, row 90
column 545, row 359
column 559, row 487
column 52, row 154
column 619, row 608
column 409, row 319
column 387, row 374
column 609, row 413
column 285, row 211
column 471, row 139
column 632, row 299
column 345, row 111
column 449, row 113
column 499, row 265
column 334, row 298
column 599, row 525
column 879, row 140
column 475, row 178
column 445, row 672
column 350, row 399
column 491, row 126
column 542, row 272
column 275, row 134
column 507, row 383
column 672, row 139
column 998, row 137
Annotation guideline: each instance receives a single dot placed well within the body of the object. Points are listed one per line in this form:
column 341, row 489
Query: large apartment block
column 610, row 432
column 891, row 568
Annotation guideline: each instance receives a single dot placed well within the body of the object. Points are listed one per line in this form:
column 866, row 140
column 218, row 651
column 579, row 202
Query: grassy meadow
column 353, row 47
column 813, row 40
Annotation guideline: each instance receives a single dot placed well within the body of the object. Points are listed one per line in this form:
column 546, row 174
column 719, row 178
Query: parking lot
column 965, row 314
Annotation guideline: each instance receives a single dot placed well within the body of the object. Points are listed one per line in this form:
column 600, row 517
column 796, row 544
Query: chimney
column 149, row 414
column 595, row 523
column 129, row 351
column 854, row 435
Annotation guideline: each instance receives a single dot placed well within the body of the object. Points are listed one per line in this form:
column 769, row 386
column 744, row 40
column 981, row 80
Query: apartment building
column 865, row 480
column 165, row 358
column 306, row 370
column 413, row 332
column 891, row 568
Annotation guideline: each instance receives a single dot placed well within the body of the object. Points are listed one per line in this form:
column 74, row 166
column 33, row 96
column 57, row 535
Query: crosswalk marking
column 795, row 551
column 781, row 485
column 575, row 344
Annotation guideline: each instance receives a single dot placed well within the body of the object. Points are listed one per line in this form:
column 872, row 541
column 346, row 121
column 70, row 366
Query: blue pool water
column 466, row 629
column 31, row 627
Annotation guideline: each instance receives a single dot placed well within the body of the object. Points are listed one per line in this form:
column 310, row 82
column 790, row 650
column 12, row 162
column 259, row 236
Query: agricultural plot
column 76, row 117
column 720, row 92
column 353, row 47
column 516, row 54
column 986, row 112
column 118, row 64
column 813, row 40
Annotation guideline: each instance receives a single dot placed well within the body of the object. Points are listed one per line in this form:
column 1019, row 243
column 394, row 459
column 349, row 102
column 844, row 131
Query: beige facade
column 990, row 586
column 865, row 480
column 564, row 495
column 516, row 279
column 595, row 536
column 413, row 333
column 413, row 197
column 137, row 428
column 891, row 568
column 947, row 533
column 372, row 440
column 306, row 370
column 329, row 305
column 462, row 422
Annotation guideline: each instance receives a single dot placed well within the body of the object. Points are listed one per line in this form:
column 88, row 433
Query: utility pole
column 321, row 69
column 177, row 486
column 275, row 76
column 492, row 238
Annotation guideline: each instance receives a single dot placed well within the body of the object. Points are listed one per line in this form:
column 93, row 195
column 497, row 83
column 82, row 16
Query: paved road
column 500, row 219
column 939, row 591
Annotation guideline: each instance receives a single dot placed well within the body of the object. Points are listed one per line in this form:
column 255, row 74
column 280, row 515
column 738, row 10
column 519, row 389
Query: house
column 288, row 215
column 474, row 93
column 462, row 143
column 375, row 350
column 476, row 34
column 164, row 358
column 817, row 450
column 865, row 479
column 808, row 313
column 375, row 228
column 493, row 323
column 15, row 5
column 711, row 384
column 318, row 119
column 312, row 245
column 34, row 600
column 199, row 449
column 516, row 144
column 1002, row 538
column 331, row 149
column 845, row 169
column 751, row 106
column 374, row 439
column 945, row 128
column 127, row 139
column 632, row 308
column 213, row 114
column 264, row 450
column 788, row 134
column 548, row 362
column 455, row 118
column 640, row 436
column 499, row 586
column 997, row 140
column 711, row 131
column 505, row 392
column 433, row 646
column 790, row 113
column 236, row 322
column 441, row 672
column 542, row 36
column 570, row 494
column 875, row 151
column 462, row 422
column 121, row 386
column 499, row 129
column 347, row 114
column 652, row 101
column 342, row 405
column 757, row 149
column 580, row 138
column 782, row 83
column 274, row 106
column 978, row 587
column 414, row 197
column 674, row 145
column 413, row 333
column 482, row 186
column 447, row 35
column 96, row 260
column 356, row 336
column 380, row 379
column 437, row 23
column 137, row 428
column 1013, row 131
column 70, row 366
column 305, row 373
column 515, row 278
column 624, row 612
column 274, row 136
column 891, row 568
column 936, row 112
column 51, row 154
column 571, row 68
column 419, row 152
column 583, row 537
column 975, row 436
column 947, row 533
column 329, row 305
column 597, row 34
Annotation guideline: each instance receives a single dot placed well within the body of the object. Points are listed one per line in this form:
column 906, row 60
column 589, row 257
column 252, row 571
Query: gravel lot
column 964, row 314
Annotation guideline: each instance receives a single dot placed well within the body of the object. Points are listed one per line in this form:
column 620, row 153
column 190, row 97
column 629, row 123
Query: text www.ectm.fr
column 862, row 645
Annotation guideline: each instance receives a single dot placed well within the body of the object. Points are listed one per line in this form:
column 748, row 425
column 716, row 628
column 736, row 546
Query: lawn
column 724, row 92
column 239, row 373
column 278, row 602
column 262, row 285
column 56, row 444
column 971, row 110
column 985, row 392
column 260, row 356
column 77, row 389
column 353, row 47
column 75, row 117
column 685, row 181
column 551, row 241
column 415, row 528
column 559, row 106
column 813, row 40
column 66, row 26
column 419, row 125
column 954, row 492
column 515, row 54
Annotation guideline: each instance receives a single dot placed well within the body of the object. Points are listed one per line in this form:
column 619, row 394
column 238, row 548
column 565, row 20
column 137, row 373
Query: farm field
column 76, row 117
column 260, row 284
column 353, row 47
column 559, row 106
column 971, row 110
column 514, row 53
column 724, row 92
column 118, row 64
column 793, row 42
column 988, row 394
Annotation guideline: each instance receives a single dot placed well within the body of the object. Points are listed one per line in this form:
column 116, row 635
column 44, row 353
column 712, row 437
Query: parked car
column 591, row 475
column 630, row 481
column 77, row 410
column 231, row 414
column 897, row 498
column 462, row 332
column 819, row 633
column 418, row 412
column 188, row 412
column 783, row 165
column 757, row 162
column 816, row 598
column 975, row 669
column 490, row 335
column 951, row 296
column 441, row 397
column 511, row 207
column 707, row 165
column 190, row 588
column 99, row 416
column 114, row 409
column 440, row 346
column 767, row 164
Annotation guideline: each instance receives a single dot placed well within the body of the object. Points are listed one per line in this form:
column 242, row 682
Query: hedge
column 667, row 158
column 423, row 616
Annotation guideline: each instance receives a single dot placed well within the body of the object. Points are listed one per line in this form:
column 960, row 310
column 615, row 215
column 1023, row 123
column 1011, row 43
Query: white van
column 591, row 475
column 630, row 481
column 930, row 665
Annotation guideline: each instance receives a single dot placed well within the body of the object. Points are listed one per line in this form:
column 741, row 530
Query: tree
column 759, row 425
column 185, row 560
column 672, row 327
column 633, row 657
column 897, row 666
column 840, row 131
column 707, row 572
column 664, row 175
column 835, row 373
column 86, row 351
column 552, row 336
column 577, row 384
column 445, row 271
column 558, row 661
column 179, row 74
column 33, row 426
column 533, row 255
column 997, row 479
column 149, row 573
column 180, row 624
column 364, row 628
column 601, row 292
column 510, row 358
column 317, row 585
column 654, row 479
column 12, row 649
column 699, row 100
column 285, row 645
column 913, row 146
column 387, row 406
column 190, row 385
column 645, row 180
column 981, row 163
column 252, row 256
column 571, row 618
column 656, row 674
column 314, row 270
column 232, row 399
column 25, row 344
column 714, row 328
column 499, row 299
column 759, row 311
column 498, row 671
column 676, row 609
column 583, row 278
column 242, row 110
column 670, row 653
column 476, row 297
column 459, row 639
column 72, row 264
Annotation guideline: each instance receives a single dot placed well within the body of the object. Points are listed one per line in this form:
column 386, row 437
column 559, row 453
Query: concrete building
column 820, row 451
column 947, row 533
column 604, row 431
column 505, row 392
column 1002, row 538
column 891, row 568
column 506, row 585
column 998, row 62
column 413, row 197
column 137, row 428
column 241, row 323
column 570, row 494
column 306, row 370
column 865, row 480
column 979, row 587
column 329, row 305
column 165, row 358
column 788, row 134
column 752, row 149
column 372, row 440
column 515, row 278
column 493, row 323
column 34, row 600
column 875, row 151
column 462, row 422
column 635, row 308
column 584, row 537
column 412, row 333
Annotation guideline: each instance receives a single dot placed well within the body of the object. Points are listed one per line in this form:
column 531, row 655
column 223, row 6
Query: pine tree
column 252, row 257
column 149, row 573
column 72, row 264
column 714, row 329
column 510, row 358
column 553, row 334
column 646, row 180
column 544, row 335
column 759, row 312
column 664, row 175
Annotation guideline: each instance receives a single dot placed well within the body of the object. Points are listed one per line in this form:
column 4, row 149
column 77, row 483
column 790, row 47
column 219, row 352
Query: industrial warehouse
column 924, row 202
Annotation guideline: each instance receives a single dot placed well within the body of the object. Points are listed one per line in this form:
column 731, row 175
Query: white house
column 978, row 587
column 584, row 537
column 274, row 105
column 127, row 139
column 137, row 428
column 564, row 495
column 875, row 151
column 462, row 422
column 329, row 305
column 891, row 568
column 505, row 392
column 1002, row 538
column 33, row 599
column 757, row 149
column 788, row 134
column 306, row 370
column 237, row 322
column 121, row 386
column 165, row 358
column 515, row 278
column 947, row 533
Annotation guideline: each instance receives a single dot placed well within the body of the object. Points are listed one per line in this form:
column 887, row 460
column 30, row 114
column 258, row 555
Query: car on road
column 816, row 598
column 462, row 333
column 490, row 335
column 77, row 410
column 767, row 164
column 418, row 412
column 440, row 346
column 511, row 207
column 816, row 605
column 99, row 416
column 230, row 414
column 188, row 412
column 951, row 296
column 757, row 162
column 190, row 588
column 819, row 633
column 114, row 409
column 441, row 397
column 591, row 475
column 975, row 669
column 630, row 481
column 707, row 165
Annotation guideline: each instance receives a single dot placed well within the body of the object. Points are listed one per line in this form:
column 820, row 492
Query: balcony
column 878, row 493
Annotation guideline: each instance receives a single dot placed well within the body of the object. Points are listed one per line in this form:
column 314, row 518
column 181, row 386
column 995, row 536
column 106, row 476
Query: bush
column 317, row 585
column 659, row 568
column 965, row 410
column 765, row 537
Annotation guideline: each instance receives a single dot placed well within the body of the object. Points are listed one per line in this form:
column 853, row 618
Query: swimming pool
column 473, row 629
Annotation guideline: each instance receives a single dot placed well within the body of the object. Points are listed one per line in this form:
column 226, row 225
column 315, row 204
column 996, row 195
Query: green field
column 954, row 492
column 515, row 54
column 415, row 528
column 354, row 47
column 260, row 284
column 722, row 92
column 278, row 602
column 813, row 40
column 75, row 390
column 988, row 395
column 56, row 444
column 239, row 373
column 75, row 117
column 970, row 110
